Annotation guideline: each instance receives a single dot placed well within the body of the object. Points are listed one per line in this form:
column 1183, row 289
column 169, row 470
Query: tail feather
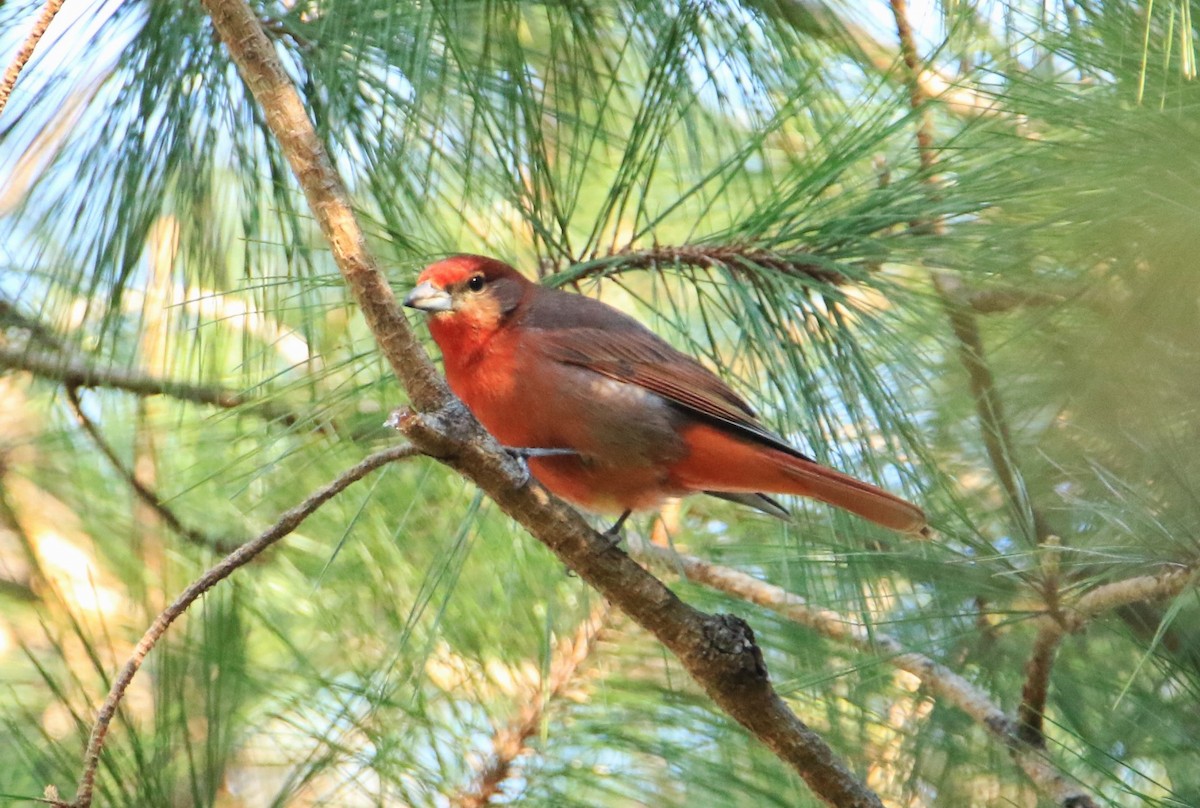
column 864, row 499
column 721, row 463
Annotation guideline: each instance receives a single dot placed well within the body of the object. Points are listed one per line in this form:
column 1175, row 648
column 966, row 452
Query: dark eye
column 476, row 283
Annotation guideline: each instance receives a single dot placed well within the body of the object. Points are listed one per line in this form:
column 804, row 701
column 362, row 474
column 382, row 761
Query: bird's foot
column 522, row 455
column 612, row 537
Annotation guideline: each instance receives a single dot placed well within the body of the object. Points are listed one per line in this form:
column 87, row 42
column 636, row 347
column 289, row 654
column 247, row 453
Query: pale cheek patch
column 481, row 313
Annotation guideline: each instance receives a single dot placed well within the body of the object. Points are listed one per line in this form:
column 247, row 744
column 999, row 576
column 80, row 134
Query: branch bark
column 9, row 81
column 1072, row 618
column 993, row 425
column 74, row 372
column 1111, row 597
column 997, row 437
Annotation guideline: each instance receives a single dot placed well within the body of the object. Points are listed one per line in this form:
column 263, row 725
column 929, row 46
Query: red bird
column 544, row 369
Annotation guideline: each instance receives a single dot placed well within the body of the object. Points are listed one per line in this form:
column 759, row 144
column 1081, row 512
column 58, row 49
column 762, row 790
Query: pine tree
column 944, row 249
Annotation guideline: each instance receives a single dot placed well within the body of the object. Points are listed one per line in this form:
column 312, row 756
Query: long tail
column 721, row 462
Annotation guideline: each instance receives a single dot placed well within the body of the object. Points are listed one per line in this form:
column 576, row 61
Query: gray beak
column 428, row 297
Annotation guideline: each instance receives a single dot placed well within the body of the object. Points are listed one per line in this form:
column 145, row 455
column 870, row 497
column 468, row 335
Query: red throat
column 459, row 336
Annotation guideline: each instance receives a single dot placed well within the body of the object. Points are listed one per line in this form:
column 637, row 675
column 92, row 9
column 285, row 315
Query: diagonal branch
column 27, row 47
column 997, row 437
column 937, row 678
column 818, row 19
column 996, row 434
column 75, row 373
column 288, row 522
column 508, row 742
column 718, row 651
column 152, row 500
column 12, row 317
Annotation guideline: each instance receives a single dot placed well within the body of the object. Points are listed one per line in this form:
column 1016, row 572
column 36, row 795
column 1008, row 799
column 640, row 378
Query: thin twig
column 152, row 500
column 995, row 301
column 74, row 372
column 718, row 651
column 1073, row 617
column 997, row 440
column 731, row 257
column 288, row 522
column 997, row 437
column 508, row 742
column 996, row 434
column 18, row 63
column 939, row 680
column 918, row 99
column 1036, row 689
column 12, row 317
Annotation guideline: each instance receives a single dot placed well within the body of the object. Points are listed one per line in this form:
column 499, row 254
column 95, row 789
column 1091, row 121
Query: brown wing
column 633, row 354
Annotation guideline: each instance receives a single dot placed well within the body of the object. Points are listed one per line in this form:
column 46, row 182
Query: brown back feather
column 593, row 335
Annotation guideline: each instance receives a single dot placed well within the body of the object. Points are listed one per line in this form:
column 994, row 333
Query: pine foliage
column 743, row 177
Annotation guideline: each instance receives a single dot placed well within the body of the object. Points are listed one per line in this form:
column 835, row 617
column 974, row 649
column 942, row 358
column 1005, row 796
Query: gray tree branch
column 74, row 372
column 997, row 437
column 1072, row 617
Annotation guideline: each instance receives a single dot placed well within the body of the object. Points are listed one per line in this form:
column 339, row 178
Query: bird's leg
column 524, row 453
column 614, row 532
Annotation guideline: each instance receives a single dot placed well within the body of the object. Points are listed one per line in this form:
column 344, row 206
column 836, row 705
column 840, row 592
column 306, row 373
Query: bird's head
column 467, row 296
